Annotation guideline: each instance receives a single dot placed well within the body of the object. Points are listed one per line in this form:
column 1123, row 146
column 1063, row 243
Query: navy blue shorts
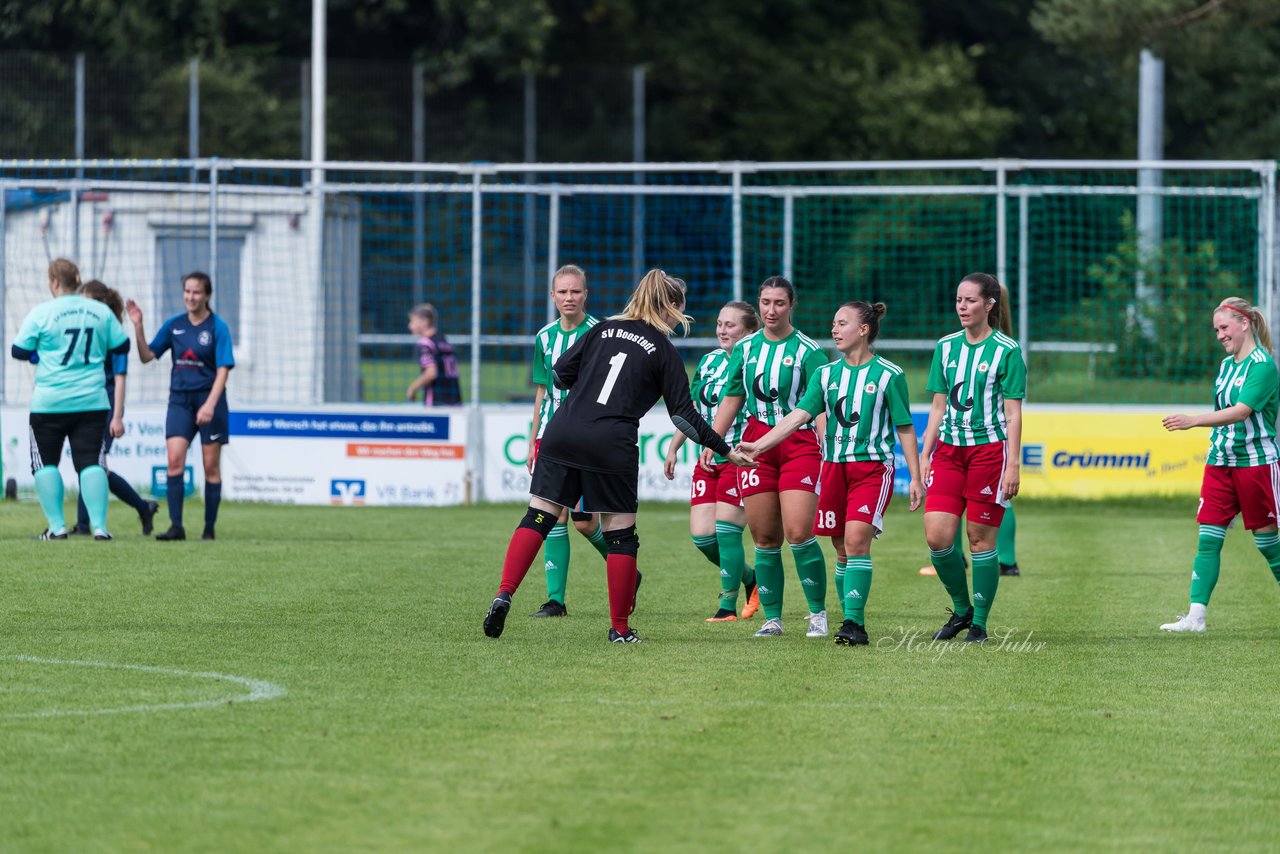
column 181, row 419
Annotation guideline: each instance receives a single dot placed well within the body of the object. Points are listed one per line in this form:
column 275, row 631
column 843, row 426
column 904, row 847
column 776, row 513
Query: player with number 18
column 865, row 399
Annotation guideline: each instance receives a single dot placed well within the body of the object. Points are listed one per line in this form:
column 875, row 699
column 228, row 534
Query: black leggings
column 50, row 429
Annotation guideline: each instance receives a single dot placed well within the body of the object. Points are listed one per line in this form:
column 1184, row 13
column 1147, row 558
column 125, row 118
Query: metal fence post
column 213, row 220
column 788, row 235
column 736, row 202
column 553, row 246
column 1024, row 285
column 1002, row 223
column 193, row 112
column 79, row 139
column 419, row 200
column 530, row 245
column 1267, row 244
column 638, row 264
column 319, row 153
column 477, row 250
column 305, row 98
column 76, row 188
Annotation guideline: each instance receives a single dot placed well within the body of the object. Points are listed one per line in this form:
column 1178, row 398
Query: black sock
column 212, row 498
column 121, row 489
column 82, row 515
column 173, row 494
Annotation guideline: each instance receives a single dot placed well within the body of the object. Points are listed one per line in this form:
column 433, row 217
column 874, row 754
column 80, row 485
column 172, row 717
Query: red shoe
column 753, row 603
column 724, row 615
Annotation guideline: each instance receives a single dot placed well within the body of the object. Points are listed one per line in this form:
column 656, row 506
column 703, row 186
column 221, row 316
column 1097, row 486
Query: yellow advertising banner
column 1098, row 454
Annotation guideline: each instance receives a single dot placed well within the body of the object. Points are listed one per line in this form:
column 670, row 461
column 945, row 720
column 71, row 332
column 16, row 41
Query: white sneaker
column 770, row 629
column 1184, row 624
column 817, row 625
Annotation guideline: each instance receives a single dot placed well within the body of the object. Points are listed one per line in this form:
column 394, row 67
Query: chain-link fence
column 1113, row 269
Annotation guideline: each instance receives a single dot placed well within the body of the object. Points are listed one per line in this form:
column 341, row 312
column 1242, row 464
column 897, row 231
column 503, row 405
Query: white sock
column 1196, row 612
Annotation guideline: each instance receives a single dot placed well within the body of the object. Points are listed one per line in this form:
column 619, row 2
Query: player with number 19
column 866, row 401
column 768, row 373
column 69, row 339
column 716, row 517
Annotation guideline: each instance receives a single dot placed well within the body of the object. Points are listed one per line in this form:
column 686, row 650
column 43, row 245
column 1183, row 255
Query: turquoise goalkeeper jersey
column 72, row 335
column 1253, row 382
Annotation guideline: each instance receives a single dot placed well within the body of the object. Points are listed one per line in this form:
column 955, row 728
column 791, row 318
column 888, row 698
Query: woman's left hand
column 1011, row 481
column 915, row 492
column 117, row 427
column 204, row 414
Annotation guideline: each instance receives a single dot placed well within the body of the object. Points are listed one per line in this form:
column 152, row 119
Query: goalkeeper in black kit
column 616, row 372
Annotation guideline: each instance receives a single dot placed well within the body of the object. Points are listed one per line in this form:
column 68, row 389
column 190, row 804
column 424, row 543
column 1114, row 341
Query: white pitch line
column 258, row 689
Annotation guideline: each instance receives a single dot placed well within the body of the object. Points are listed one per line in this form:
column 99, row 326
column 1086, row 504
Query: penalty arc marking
column 258, row 689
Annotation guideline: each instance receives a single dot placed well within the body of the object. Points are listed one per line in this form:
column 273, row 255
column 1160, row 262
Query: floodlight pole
column 1150, row 147
column 319, row 71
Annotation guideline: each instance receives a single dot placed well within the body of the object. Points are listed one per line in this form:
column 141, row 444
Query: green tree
column 790, row 79
column 1222, row 62
column 1192, row 279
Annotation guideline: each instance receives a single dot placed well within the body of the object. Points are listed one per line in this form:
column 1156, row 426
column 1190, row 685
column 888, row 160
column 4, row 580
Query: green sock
column 709, row 547
column 95, row 493
column 556, row 552
column 769, row 575
column 857, row 583
column 986, row 578
column 949, row 563
column 1006, row 538
column 49, row 491
column 811, row 566
column 596, row 538
column 1204, row 569
column 841, row 565
column 748, row 573
column 733, row 562
column 1269, row 545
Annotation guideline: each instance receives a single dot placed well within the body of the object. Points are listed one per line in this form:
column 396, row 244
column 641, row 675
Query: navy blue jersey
column 199, row 349
column 116, row 365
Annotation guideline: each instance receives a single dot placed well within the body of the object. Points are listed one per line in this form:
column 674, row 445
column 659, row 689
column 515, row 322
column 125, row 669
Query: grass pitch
column 400, row 727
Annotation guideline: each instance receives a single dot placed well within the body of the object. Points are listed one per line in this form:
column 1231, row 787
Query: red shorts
column 793, row 464
column 1249, row 490
column 968, row 475
column 853, row 492
column 722, row 485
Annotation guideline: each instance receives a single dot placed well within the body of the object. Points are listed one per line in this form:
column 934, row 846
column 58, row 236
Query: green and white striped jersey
column 977, row 379
column 772, row 375
column 708, row 387
column 1252, row 381
column 548, row 345
column 863, row 404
